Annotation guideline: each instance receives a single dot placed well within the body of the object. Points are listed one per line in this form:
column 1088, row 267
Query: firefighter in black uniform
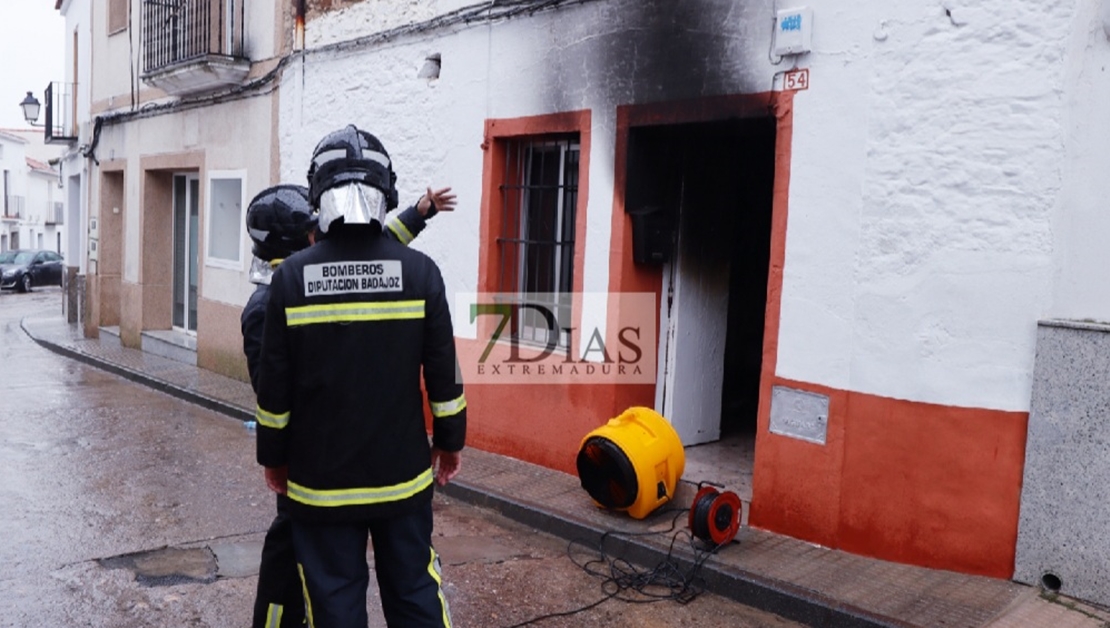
column 351, row 325
column 280, row 222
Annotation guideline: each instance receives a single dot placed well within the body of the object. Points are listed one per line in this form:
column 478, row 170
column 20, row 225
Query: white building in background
column 31, row 215
column 37, row 147
column 12, row 163
column 45, row 211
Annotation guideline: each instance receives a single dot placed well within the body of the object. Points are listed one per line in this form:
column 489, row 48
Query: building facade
column 32, row 214
column 180, row 140
column 850, row 223
column 66, row 121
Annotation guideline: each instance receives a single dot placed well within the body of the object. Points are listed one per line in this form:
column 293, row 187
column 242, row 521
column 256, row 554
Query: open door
column 712, row 183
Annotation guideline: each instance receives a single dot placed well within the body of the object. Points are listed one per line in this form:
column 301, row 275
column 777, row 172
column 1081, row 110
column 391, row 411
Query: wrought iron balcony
column 61, row 113
column 14, row 207
column 193, row 46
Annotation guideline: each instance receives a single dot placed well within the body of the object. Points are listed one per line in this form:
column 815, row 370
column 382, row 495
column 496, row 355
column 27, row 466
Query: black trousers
column 279, row 601
column 336, row 573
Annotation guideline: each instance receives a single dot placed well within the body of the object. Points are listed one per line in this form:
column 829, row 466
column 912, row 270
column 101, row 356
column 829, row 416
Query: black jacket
column 401, row 226
column 351, row 325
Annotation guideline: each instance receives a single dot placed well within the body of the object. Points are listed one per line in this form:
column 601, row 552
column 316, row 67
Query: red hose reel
column 715, row 515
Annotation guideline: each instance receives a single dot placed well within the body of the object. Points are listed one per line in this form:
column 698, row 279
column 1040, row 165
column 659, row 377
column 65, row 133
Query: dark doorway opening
column 753, row 171
column 701, row 197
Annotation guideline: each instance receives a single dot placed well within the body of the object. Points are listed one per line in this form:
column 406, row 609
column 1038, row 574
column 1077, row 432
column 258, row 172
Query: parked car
column 23, row 269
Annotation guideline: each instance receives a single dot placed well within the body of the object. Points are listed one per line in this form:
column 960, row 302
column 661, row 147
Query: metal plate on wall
column 799, row 414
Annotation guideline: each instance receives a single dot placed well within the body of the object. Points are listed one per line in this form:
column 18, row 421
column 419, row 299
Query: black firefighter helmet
column 279, row 221
column 351, row 155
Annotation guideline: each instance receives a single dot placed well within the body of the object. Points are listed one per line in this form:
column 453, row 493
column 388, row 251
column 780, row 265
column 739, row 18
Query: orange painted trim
column 493, row 177
column 625, row 275
column 493, row 171
column 543, row 424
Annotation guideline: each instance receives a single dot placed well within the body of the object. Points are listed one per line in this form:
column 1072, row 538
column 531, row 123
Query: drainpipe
column 298, row 26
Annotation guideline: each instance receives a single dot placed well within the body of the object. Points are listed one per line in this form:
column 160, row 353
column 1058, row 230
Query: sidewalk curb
column 211, row 403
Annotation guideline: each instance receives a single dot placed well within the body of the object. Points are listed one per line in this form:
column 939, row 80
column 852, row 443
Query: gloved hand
column 277, row 479
column 446, row 465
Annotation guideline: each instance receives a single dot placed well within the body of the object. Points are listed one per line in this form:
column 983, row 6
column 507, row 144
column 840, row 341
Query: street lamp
column 30, row 106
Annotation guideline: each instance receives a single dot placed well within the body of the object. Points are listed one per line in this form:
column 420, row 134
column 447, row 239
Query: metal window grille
column 539, row 198
column 176, row 31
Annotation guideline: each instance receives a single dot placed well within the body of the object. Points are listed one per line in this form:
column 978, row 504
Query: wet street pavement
column 126, row 507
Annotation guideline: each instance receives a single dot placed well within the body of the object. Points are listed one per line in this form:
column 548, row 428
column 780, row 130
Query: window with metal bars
column 539, row 197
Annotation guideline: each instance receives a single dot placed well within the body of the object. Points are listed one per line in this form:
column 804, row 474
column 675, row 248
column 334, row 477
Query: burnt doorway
column 710, row 186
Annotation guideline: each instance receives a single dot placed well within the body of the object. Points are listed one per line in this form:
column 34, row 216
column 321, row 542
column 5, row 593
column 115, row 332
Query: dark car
column 24, row 269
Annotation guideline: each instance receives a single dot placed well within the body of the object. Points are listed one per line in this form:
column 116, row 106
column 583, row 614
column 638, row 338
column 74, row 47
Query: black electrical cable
column 700, row 519
column 625, row 582
column 491, row 11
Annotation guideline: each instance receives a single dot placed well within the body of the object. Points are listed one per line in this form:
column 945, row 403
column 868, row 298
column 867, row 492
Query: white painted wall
column 115, row 73
column 368, row 16
column 1082, row 226
column 12, row 151
column 38, row 190
column 41, row 193
column 948, row 161
column 261, row 17
column 13, row 159
column 74, row 167
column 573, row 59
column 927, row 174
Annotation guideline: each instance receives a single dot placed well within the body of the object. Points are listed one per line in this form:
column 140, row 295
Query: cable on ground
column 623, row 581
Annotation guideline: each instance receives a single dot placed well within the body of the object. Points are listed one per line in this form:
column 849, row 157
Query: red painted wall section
column 542, row 424
column 797, row 484
column 932, row 485
column 905, row 481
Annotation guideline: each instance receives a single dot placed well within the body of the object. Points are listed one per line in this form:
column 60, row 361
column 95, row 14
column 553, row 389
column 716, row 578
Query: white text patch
column 346, row 277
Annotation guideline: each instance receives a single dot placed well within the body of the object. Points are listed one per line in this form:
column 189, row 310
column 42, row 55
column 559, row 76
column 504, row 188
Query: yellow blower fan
column 632, row 463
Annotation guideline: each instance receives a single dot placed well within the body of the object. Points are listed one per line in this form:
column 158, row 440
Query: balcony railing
column 61, row 113
column 193, row 46
column 14, row 208
column 178, row 31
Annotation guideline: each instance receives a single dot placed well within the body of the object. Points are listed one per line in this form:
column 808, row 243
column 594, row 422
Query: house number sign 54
column 795, row 80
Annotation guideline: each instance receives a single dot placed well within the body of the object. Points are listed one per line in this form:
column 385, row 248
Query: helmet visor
column 355, row 203
column 261, row 271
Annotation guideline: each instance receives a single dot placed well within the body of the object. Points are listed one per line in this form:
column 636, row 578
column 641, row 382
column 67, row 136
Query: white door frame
column 191, row 267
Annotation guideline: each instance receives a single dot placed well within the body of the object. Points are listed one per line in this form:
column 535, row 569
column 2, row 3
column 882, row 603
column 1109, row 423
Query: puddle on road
column 167, row 566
